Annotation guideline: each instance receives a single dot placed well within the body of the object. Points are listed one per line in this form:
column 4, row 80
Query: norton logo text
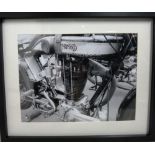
column 72, row 47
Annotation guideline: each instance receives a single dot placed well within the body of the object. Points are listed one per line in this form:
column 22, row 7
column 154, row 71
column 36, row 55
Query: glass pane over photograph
column 77, row 77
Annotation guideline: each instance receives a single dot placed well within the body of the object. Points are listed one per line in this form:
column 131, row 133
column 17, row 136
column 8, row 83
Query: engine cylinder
column 75, row 76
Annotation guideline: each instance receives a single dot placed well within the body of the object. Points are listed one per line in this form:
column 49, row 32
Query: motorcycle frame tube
column 3, row 116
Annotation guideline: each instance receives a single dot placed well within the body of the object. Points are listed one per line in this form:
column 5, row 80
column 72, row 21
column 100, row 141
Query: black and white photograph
column 77, row 77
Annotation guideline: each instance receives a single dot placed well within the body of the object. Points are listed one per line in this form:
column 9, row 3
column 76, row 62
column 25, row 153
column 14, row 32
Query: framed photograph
column 77, row 76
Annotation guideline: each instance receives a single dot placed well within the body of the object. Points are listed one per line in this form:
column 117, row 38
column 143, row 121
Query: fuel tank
column 90, row 46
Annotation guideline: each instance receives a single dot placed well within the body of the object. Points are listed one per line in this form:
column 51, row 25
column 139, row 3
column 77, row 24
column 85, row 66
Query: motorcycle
column 56, row 72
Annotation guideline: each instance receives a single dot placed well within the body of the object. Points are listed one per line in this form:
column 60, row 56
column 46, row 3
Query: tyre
column 128, row 107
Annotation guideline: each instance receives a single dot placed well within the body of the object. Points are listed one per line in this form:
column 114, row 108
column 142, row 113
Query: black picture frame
column 3, row 117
